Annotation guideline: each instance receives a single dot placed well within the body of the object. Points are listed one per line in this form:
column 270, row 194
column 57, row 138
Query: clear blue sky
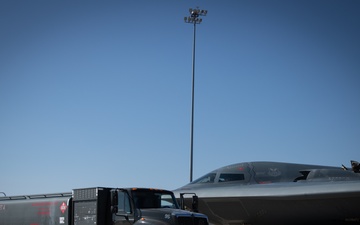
column 96, row 93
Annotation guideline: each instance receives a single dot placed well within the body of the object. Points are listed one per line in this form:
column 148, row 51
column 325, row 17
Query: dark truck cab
column 151, row 206
column 98, row 206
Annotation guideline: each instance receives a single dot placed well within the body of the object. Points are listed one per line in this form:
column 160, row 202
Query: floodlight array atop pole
column 194, row 16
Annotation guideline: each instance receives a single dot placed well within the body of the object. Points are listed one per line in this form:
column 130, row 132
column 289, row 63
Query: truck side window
column 124, row 202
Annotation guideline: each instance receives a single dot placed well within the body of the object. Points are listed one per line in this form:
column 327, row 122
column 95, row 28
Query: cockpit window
column 208, row 178
column 226, row 177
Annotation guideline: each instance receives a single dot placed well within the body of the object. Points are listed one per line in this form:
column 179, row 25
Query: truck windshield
column 145, row 199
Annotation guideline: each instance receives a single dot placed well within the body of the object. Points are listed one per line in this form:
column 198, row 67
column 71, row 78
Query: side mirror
column 195, row 203
column 114, row 201
column 182, row 203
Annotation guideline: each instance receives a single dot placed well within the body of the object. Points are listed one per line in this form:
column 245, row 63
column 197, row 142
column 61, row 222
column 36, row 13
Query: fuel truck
column 98, row 206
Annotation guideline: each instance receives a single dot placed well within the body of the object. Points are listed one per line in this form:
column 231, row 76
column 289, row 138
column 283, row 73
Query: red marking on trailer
column 43, row 213
column 63, row 207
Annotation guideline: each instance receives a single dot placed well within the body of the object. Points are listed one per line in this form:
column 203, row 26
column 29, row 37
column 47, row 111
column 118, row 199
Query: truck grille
column 192, row 221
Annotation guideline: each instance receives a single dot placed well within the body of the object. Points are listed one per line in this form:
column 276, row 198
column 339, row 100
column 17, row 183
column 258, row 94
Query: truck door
column 125, row 213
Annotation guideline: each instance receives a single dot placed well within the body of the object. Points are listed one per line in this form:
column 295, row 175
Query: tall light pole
column 194, row 19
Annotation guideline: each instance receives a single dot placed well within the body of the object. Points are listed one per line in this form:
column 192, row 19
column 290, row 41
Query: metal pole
column 192, row 108
column 193, row 18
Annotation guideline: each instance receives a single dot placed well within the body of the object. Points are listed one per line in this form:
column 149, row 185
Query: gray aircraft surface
column 277, row 193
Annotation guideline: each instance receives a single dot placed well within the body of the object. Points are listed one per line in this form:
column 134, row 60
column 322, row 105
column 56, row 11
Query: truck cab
column 128, row 206
column 151, row 206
